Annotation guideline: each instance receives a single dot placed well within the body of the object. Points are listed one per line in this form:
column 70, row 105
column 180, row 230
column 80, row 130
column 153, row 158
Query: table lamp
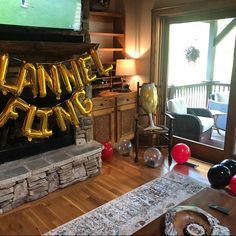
column 125, row 67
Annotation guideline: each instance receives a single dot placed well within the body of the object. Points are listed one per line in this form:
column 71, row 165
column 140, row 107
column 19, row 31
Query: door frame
column 161, row 18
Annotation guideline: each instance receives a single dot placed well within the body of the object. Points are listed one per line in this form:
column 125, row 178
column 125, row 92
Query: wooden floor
column 118, row 176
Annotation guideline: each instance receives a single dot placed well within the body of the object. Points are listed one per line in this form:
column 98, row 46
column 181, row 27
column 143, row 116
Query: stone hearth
column 28, row 179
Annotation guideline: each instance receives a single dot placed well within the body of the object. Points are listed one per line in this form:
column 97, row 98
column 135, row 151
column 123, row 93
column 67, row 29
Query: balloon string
column 16, row 59
column 43, row 63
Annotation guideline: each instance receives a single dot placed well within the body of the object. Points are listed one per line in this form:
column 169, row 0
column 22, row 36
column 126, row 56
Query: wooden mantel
column 44, row 48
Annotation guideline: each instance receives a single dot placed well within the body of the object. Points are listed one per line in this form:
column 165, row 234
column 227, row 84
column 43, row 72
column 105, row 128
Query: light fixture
column 125, row 67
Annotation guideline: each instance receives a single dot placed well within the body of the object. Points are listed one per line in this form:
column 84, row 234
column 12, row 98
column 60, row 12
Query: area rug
column 130, row 212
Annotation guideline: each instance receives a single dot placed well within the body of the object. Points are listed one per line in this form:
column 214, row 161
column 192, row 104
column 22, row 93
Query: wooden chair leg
column 136, row 147
column 169, row 148
column 169, row 155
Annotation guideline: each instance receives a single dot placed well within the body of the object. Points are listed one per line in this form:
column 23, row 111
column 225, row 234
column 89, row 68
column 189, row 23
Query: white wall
column 138, row 36
column 138, row 31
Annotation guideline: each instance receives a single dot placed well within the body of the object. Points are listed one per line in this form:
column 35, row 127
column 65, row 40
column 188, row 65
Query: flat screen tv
column 52, row 14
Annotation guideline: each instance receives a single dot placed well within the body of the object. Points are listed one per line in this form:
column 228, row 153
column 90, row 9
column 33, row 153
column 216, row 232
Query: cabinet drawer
column 126, row 99
column 103, row 102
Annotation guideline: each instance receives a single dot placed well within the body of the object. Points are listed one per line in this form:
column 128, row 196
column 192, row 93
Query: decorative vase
column 99, row 5
column 149, row 101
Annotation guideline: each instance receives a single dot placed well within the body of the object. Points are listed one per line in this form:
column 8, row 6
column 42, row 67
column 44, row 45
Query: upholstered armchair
column 191, row 123
column 219, row 102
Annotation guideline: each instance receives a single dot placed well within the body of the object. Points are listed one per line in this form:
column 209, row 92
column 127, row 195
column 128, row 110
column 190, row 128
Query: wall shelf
column 107, row 30
column 105, row 14
column 111, row 49
column 118, row 35
column 108, row 78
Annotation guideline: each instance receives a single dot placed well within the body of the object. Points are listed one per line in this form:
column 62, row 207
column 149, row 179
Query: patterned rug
column 135, row 209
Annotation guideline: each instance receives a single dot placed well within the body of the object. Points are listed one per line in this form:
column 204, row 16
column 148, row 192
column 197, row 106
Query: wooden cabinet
column 114, row 117
column 104, row 119
column 126, row 109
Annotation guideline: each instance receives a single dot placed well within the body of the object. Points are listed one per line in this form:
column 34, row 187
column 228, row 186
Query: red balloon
column 180, row 153
column 232, row 185
column 107, row 150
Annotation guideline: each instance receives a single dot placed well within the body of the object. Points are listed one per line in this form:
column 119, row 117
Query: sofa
column 219, row 102
column 190, row 123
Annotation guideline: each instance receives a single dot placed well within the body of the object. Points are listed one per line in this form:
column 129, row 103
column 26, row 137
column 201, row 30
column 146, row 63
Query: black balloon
column 231, row 165
column 219, row 176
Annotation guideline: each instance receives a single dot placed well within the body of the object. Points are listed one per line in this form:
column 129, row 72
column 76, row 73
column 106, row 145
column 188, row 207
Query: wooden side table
column 215, row 114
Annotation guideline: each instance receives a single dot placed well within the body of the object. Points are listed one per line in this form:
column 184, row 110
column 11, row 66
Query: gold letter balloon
column 61, row 78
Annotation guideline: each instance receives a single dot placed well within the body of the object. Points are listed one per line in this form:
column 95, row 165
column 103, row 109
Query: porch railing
column 196, row 95
column 220, row 87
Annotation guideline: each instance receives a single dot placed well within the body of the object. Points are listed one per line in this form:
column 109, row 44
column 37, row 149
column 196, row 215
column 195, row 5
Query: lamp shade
column 125, row 67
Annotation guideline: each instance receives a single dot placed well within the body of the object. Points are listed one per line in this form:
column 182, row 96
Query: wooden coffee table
column 202, row 199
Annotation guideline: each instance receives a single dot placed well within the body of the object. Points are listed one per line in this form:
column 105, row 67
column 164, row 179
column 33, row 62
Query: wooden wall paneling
column 230, row 137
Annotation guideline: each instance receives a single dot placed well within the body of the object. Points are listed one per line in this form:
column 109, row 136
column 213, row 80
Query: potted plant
column 192, row 54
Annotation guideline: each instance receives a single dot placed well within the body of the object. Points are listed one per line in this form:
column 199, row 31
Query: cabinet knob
column 101, row 104
column 127, row 99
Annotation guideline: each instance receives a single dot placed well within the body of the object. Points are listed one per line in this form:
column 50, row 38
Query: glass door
column 195, row 53
column 199, row 75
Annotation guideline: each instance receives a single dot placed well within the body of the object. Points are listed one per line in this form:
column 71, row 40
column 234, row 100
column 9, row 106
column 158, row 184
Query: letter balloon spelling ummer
column 73, row 75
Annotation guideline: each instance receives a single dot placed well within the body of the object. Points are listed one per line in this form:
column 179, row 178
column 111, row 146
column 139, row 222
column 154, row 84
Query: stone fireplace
column 28, row 179
column 31, row 170
column 70, row 158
